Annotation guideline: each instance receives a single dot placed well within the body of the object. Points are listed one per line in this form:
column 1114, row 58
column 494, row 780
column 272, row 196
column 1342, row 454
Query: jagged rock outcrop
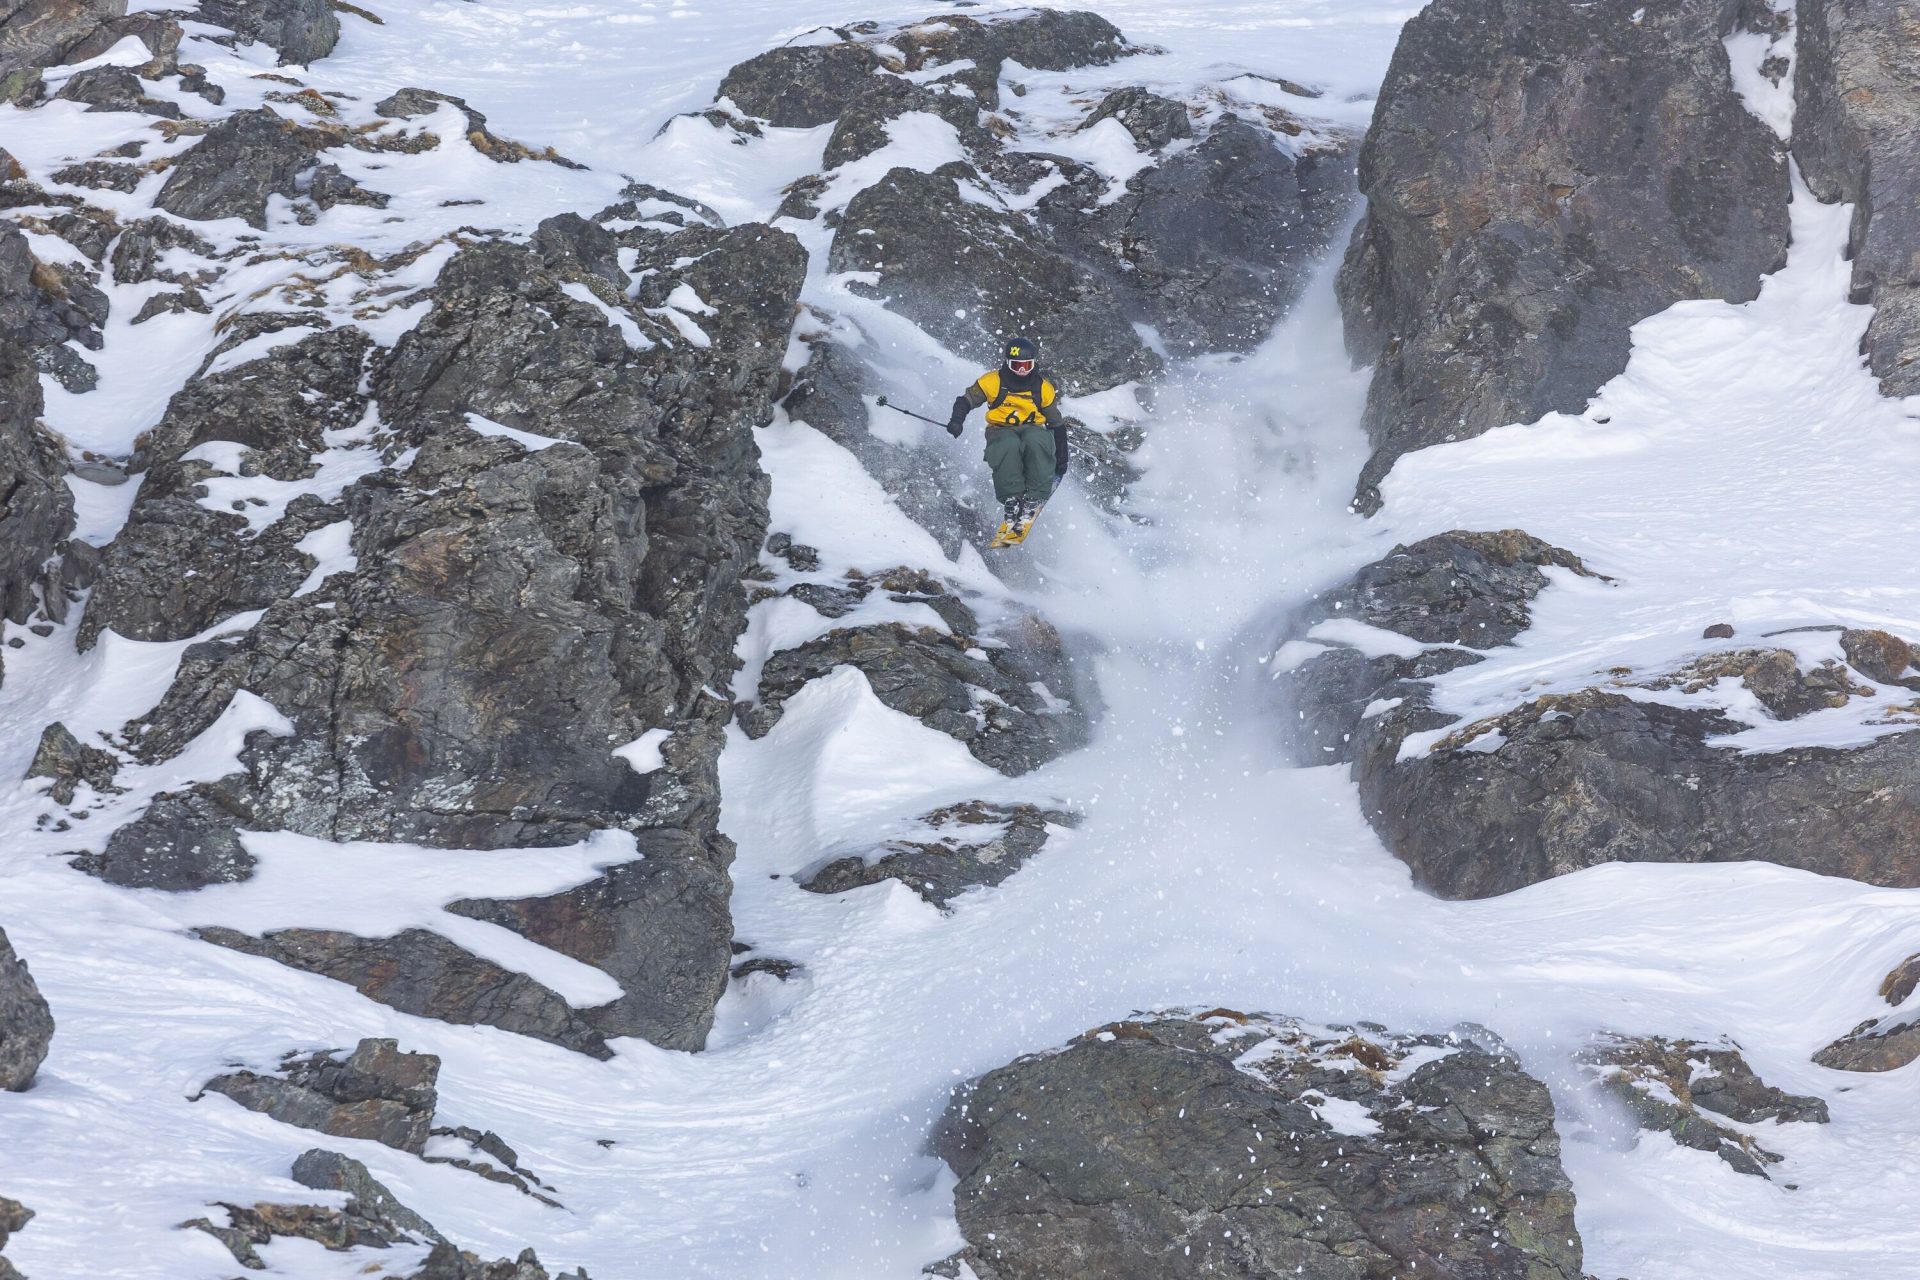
column 973, row 845
column 985, row 697
column 26, row 1024
column 1452, row 593
column 1886, row 1043
column 376, row 1092
column 1212, row 245
column 71, row 764
column 241, row 161
column 1223, row 1145
column 373, row 1217
column 36, row 509
column 1856, row 135
column 1539, row 180
column 14, row 1216
column 41, row 33
column 556, row 568
column 968, row 275
column 1667, row 1085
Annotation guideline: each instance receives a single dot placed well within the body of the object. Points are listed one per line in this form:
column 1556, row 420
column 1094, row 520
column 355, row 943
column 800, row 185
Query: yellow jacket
column 1032, row 401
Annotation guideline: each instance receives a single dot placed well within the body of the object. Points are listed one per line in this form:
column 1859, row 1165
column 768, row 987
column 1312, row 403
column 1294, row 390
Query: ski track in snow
column 1716, row 479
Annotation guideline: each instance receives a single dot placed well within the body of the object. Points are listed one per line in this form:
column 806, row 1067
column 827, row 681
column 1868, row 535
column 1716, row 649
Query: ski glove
column 957, row 420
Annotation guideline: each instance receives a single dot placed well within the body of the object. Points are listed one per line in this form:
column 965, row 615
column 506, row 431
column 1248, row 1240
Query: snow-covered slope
column 1743, row 468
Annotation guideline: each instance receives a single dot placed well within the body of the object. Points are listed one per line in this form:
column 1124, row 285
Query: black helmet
column 1022, row 349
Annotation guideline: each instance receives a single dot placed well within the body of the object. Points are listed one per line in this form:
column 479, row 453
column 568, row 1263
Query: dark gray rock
column 114, row 89
column 376, row 1092
column 422, row 973
column 1856, row 134
column 180, row 566
column 329, row 187
column 1538, row 180
column 988, row 703
column 799, row 87
column 42, row 33
column 241, row 161
column 516, row 614
column 69, row 763
column 410, row 102
column 973, row 274
column 1591, row 777
column 36, row 509
column 26, row 1024
column 1145, row 1150
column 139, row 249
column 1877, row 655
column 1218, row 241
column 301, row 31
column 368, row 1198
column 1666, row 1085
column 1153, row 121
column 980, row 844
column 659, row 925
column 104, row 174
column 1451, row 592
column 861, row 128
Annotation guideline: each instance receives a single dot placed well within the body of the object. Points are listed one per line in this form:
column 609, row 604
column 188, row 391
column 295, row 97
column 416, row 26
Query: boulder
column 861, row 127
column 1856, row 135
column 975, row 845
column 800, row 86
column 376, row 1092
column 114, row 89
column 1223, row 1145
column 241, row 161
column 974, row 274
column 301, row 31
column 1667, row 1085
column 69, row 763
column 26, row 1024
column 1539, row 180
column 1153, row 121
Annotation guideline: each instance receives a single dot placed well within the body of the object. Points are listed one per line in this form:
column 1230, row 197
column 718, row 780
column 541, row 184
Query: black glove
column 955, row 426
column 957, row 420
column 1060, row 451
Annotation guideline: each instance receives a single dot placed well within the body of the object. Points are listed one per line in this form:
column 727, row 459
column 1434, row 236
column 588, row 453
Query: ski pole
column 886, row 404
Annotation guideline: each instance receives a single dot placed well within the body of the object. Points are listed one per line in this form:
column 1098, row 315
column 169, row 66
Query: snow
column 1722, row 476
column 528, row 440
column 643, row 753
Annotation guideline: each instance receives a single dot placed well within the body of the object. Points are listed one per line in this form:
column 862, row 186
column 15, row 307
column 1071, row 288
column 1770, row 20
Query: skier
column 1026, row 435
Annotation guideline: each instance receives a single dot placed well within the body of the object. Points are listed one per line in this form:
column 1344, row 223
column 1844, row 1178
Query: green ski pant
column 1022, row 461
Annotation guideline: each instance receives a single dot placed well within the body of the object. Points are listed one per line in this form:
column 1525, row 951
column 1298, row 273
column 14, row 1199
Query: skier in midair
column 1026, row 435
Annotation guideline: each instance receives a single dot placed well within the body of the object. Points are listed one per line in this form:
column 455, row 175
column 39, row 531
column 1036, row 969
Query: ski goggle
column 1021, row 367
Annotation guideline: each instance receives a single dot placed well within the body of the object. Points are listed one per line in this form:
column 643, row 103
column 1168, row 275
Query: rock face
column 376, row 1092
column 945, row 273
column 1538, row 180
column 26, row 1024
column 1222, row 1145
column 1856, row 134
column 1666, row 1085
column 36, row 510
column 1211, row 246
column 976, row 845
column 508, row 614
